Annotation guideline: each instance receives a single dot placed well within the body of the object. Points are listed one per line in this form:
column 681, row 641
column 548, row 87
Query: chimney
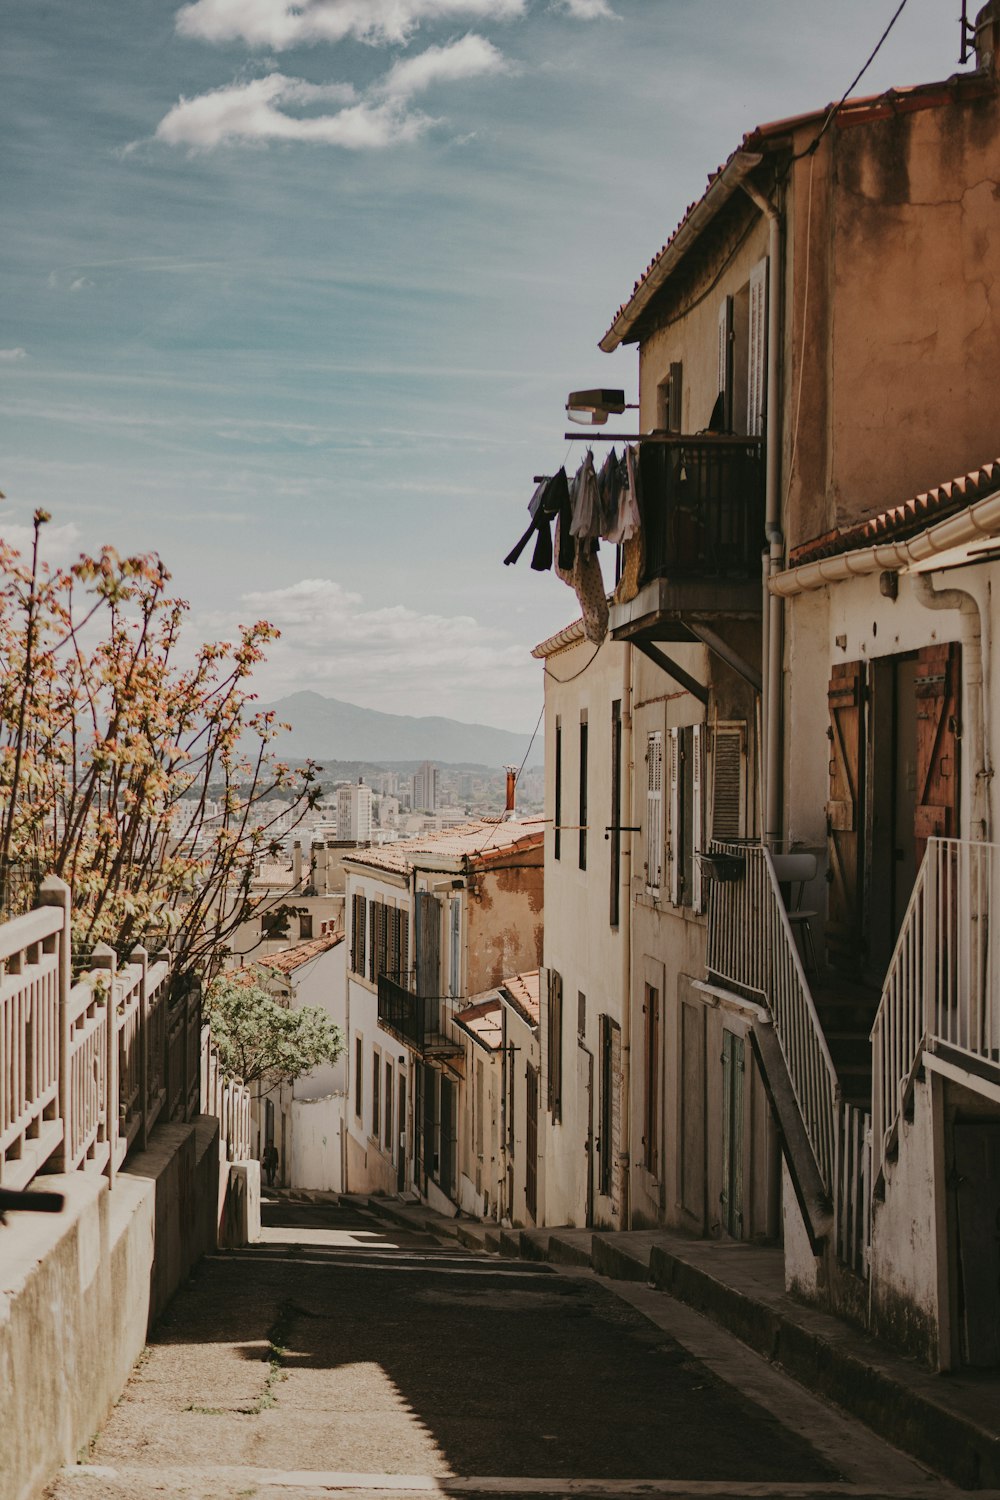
column 987, row 33
column 511, row 785
column 297, row 864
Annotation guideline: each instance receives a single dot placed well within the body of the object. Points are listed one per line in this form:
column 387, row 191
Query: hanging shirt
column 585, row 502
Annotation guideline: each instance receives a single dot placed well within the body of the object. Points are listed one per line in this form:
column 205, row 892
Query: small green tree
column 262, row 1040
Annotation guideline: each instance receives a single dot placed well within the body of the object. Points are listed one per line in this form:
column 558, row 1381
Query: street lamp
column 592, row 408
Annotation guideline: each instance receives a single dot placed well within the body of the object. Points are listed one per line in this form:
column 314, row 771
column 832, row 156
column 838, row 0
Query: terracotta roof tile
column 854, row 111
column 290, row 959
column 522, row 992
column 482, row 840
column 903, row 520
column 484, row 1023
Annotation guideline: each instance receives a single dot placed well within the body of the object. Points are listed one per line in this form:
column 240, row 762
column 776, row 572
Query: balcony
column 703, row 523
column 415, row 1020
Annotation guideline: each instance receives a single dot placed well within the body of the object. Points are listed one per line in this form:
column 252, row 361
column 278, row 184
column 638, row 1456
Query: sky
column 293, row 294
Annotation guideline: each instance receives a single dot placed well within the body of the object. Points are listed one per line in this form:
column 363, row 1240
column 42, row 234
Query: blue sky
column 294, row 295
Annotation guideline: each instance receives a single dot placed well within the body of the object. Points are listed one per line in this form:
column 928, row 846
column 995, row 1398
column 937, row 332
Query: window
column 387, row 1135
column 274, row 924
column 725, row 414
column 686, row 814
column 610, row 1062
column 376, row 1093
column 558, row 791
column 651, row 1079
column 359, row 923
column 757, row 353
column 359, row 1057
column 728, row 794
column 654, row 812
column 583, row 791
column 669, row 392
column 389, row 942
column 305, row 926
column 616, row 810
column 455, row 948
column 554, row 1044
column 581, row 1013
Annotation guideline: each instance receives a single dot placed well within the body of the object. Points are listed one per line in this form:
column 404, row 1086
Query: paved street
column 342, row 1356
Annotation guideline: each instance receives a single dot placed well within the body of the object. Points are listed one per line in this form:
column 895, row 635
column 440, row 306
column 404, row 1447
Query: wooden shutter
column 404, row 946
column 455, row 948
column 654, row 811
column 554, row 1039
column 937, row 689
column 358, row 934
column 675, row 852
column 728, row 783
column 675, row 405
column 697, row 814
column 757, row 351
column 428, row 945
column 845, row 816
column 726, row 362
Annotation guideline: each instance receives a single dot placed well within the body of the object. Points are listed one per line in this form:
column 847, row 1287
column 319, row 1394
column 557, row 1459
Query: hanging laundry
column 585, row 501
column 550, row 498
column 589, row 586
column 629, row 518
column 608, row 485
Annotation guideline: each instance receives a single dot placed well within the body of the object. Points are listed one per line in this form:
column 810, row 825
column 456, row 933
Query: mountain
column 327, row 728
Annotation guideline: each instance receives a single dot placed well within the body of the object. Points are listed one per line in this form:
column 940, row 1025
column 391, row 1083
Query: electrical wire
column 834, row 108
column 562, row 680
column 517, row 777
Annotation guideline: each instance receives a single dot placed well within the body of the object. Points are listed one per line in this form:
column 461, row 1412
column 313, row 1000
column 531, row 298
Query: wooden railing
column 87, row 1068
column 752, row 949
column 943, row 984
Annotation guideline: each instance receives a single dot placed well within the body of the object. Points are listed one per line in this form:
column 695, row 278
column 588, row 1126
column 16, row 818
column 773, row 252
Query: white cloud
column 243, row 113
column 8, row 356
column 258, row 111
column 283, row 23
column 588, row 10
column 80, row 284
column 59, row 545
column 470, row 57
column 330, row 642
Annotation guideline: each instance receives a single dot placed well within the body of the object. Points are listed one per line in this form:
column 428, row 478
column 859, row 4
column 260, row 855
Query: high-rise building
column 425, row 788
column 354, row 813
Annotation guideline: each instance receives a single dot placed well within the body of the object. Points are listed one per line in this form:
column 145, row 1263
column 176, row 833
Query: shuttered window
column 728, row 791
column 697, row 816
column 726, row 364
column 757, row 351
column 654, row 811
column 553, row 1042
column 455, row 948
column 686, row 836
column 358, row 924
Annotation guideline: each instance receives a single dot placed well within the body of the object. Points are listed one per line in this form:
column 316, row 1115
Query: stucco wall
column 79, row 1291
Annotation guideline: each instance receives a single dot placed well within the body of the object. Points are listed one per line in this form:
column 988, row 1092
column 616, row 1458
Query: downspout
column 972, row 664
column 772, row 609
column 625, row 1154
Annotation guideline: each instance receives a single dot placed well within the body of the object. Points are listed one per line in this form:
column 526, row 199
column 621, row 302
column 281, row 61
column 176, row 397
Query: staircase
column 846, row 1009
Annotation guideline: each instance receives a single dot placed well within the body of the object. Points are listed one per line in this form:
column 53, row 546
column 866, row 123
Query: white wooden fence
column 87, row 1068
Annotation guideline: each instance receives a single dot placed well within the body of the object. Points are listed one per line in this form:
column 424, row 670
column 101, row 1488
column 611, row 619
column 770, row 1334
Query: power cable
column 834, row 108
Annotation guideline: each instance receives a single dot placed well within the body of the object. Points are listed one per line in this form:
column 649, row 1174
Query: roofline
column 570, row 635
column 730, row 177
column 723, row 186
column 977, row 520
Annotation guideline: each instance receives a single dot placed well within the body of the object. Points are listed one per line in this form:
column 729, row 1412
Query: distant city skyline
column 295, row 298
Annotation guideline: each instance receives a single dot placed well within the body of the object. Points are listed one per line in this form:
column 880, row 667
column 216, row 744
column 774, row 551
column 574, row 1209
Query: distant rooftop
column 483, row 840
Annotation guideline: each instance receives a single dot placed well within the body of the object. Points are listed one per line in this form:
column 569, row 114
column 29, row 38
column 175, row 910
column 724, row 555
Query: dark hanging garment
column 541, row 559
column 539, row 523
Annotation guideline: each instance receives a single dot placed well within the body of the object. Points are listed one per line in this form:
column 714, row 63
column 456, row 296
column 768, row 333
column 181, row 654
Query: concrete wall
column 582, row 946
column 79, row 1292
column 318, row 1143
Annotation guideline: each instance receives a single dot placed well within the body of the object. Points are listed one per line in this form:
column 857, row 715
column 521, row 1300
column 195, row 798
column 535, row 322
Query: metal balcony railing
column 702, row 507
column 402, row 1013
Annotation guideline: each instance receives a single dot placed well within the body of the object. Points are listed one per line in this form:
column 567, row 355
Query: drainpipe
column 772, row 611
column 625, row 1154
column 972, row 662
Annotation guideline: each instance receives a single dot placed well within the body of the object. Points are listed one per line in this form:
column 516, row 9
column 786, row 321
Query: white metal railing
column 752, row 948
column 87, row 1068
column 943, row 983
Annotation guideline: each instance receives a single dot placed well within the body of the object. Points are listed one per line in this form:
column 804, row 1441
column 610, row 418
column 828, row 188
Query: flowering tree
column 137, row 777
column 262, row 1040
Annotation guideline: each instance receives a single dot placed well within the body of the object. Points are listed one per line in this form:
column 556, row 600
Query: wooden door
column 977, row 1187
column 845, row 816
column 939, row 670
column 733, row 1065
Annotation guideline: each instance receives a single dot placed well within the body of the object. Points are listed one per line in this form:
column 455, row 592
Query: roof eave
column 723, row 187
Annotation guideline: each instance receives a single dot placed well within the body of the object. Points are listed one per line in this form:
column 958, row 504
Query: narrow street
column 339, row 1355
